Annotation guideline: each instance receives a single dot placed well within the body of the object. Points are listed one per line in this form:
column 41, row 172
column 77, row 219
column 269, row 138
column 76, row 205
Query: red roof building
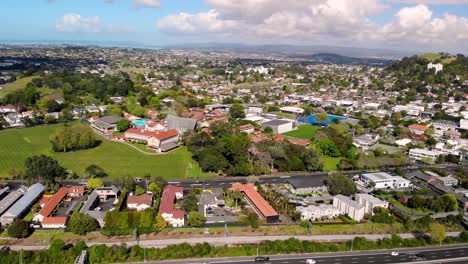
column 48, row 209
column 166, row 208
column 257, row 202
column 54, row 222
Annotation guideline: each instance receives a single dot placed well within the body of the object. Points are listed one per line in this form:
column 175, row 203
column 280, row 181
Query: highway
column 447, row 254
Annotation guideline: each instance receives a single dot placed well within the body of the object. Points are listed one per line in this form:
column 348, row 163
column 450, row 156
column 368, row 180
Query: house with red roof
column 76, row 191
column 257, row 202
column 174, row 217
column 135, row 134
column 247, row 128
column 54, row 222
column 156, row 126
column 140, row 202
column 417, row 129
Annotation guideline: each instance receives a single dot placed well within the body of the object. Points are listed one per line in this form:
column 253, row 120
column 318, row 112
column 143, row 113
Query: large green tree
column 340, row 184
column 43, row 167
column 82, row 224
column 69, row 138
column 195, row 219
column 18, row 229
column 237, row 111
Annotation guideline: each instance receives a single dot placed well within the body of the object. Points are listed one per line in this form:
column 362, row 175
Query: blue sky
column 423, row 24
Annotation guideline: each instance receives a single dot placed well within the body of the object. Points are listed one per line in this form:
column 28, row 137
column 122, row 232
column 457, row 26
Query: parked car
column 262, row 259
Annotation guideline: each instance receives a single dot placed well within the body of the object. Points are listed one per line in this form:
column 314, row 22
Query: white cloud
column 432, row 2
column 340, row 22
column 73, row 22
column 147, row 3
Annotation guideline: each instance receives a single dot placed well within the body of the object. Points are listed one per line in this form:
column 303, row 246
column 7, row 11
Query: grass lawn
column 303, row 131
column 367, row 228
column 434, row 56
column 330, row 163
column 115, row 158
column 16, row 85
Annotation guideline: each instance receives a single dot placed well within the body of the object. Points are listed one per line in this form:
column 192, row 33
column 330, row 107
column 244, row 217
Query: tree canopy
column 340, row 184
column 43, row 167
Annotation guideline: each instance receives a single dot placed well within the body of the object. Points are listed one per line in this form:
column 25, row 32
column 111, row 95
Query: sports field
column 303, row 131
column 115, row 158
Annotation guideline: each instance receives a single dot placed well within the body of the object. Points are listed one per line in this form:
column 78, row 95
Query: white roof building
column 383, row 180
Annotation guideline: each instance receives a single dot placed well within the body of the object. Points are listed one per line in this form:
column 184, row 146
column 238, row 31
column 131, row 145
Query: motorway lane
column 405, row 256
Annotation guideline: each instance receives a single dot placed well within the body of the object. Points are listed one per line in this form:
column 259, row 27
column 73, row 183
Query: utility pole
column 352, row 242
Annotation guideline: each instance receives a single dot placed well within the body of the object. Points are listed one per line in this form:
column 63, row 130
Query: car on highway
column 310, row 261
column 394, row 253
column 262, row 259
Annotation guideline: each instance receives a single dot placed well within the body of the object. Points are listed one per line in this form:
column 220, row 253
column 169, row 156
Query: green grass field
column 303, row 131
column 16, row 85
column 115, row 158
column 435, row 56
column 330, row 163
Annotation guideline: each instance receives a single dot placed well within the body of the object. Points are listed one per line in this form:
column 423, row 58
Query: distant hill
column 293, row 49
column 331, row 58
column 438, row 57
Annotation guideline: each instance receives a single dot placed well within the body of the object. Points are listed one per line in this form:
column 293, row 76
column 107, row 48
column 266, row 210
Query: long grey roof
column 87, row 205
column 28, row 198
column 4, row 190
column 9, row 200
column 110, row 119
column 180, row 123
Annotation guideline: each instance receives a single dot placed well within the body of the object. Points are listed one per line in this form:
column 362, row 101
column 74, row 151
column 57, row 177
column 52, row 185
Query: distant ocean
column 119, row 44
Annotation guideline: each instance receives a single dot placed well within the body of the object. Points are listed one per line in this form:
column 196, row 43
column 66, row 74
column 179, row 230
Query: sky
column 426, row 25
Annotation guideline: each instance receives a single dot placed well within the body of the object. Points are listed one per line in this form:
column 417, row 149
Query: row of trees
column 59, row 252
column 444, row 203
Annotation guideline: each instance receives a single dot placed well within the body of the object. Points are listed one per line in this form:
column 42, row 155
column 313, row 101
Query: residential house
column 247, row 128
column 417, row 129
column 140, row 202
column 174, row 217
column 76, row 191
